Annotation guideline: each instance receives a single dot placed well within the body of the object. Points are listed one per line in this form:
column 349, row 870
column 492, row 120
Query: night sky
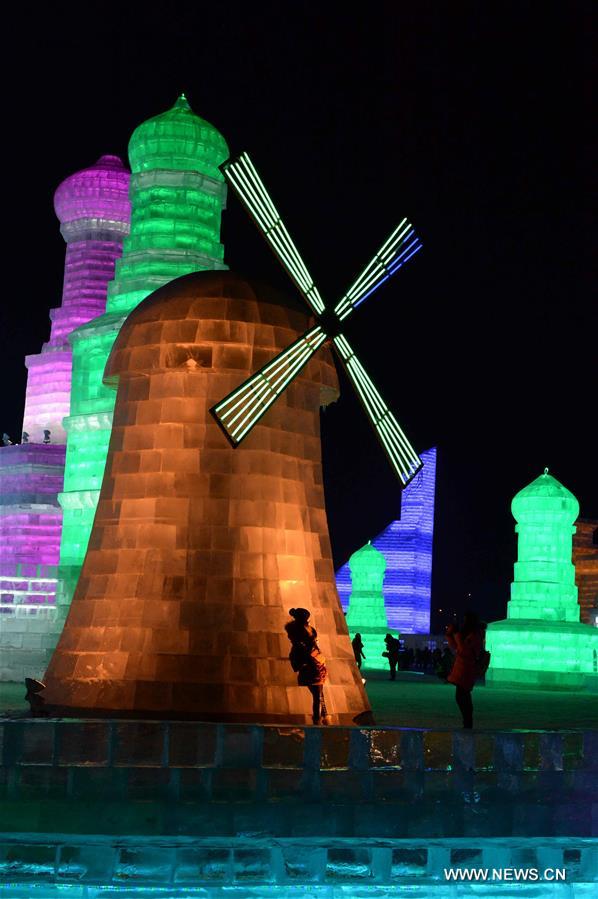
column 472, row 119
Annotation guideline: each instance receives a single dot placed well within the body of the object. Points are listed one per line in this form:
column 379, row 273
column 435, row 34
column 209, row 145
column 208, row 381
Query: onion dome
column 178, row 140
column 545, row 500
column 368, row 558
column 99, row 192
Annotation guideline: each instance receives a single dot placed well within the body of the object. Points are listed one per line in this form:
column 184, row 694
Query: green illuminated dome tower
column 177, row 196
column 366, row 614
column 542, row 640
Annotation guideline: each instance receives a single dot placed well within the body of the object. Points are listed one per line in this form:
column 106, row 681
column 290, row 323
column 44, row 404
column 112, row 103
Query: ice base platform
column 161, row 808
column 548, row 654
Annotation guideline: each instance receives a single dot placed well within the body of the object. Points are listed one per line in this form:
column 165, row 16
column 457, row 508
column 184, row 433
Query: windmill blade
column 238, row 412
column 401, row 454
column 402, row 244
column 242, row 175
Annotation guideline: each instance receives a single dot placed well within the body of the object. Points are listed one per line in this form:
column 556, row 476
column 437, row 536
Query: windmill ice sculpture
column 238, row 412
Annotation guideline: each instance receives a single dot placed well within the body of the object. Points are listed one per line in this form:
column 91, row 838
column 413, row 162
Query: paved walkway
column 422, row 701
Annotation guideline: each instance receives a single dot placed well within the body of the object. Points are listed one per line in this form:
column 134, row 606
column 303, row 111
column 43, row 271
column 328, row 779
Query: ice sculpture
column 177, row 197
column 366, row 614
column 406, row 545
column 198, row 549
column 542, row 640
column 94, row 210
column 585, row 559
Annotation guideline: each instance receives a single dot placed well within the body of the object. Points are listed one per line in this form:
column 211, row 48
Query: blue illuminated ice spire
column 406, row 545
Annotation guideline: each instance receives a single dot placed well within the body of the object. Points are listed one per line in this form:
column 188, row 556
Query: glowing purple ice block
column 30, row 479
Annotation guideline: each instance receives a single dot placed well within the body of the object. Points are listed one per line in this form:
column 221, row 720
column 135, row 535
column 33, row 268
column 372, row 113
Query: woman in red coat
column 307, row 660
column 468, row 643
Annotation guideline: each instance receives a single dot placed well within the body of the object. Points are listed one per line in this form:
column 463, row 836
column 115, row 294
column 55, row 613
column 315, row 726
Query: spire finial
column 182, row 102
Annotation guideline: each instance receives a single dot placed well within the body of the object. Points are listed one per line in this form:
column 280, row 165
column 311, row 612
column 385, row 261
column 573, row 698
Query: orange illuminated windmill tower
column 199, row 548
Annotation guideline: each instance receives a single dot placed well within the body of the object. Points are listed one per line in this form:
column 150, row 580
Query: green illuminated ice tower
column 366, row 614
column 177, row 196
column 542, row 640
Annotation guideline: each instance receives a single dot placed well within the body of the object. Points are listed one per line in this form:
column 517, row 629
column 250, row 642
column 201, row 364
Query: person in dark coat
column 393, row 648
column 307, row 660
column 357, row 644
column 468, row 644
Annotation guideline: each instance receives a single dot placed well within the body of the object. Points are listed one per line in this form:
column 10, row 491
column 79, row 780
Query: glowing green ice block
column 542, row 640
column 177, row 196
column 366, row 614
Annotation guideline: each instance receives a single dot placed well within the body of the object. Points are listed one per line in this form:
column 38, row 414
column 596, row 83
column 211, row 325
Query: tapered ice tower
column 366, row 614
column 177, row 197
column 406, row 545
column 94, row 210
column 542, row 640
column 198, row 550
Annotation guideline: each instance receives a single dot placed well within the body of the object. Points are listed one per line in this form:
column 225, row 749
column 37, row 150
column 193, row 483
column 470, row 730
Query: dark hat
column 299, row 613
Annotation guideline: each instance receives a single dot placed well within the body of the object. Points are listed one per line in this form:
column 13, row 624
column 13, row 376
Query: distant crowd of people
column 406, row 658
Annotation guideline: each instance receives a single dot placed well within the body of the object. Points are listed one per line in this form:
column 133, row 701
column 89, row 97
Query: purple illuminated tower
column 406, row 544
column 94, row 212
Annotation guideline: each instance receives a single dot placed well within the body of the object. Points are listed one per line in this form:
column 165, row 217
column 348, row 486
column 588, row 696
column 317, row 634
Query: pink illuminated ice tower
column 94, row 211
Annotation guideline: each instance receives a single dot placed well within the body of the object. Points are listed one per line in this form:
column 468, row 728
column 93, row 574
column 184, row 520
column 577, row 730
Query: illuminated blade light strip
column 268, row 224
column 402, row 456
column 256, row 202
column 380, row 260
column 389, row 275
column 248, row 184
column 278, row 237
column 275, row 364
column 382, row 274
column 242, row 408
column 398, row 249
column 382, row 256
column 266, row 389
